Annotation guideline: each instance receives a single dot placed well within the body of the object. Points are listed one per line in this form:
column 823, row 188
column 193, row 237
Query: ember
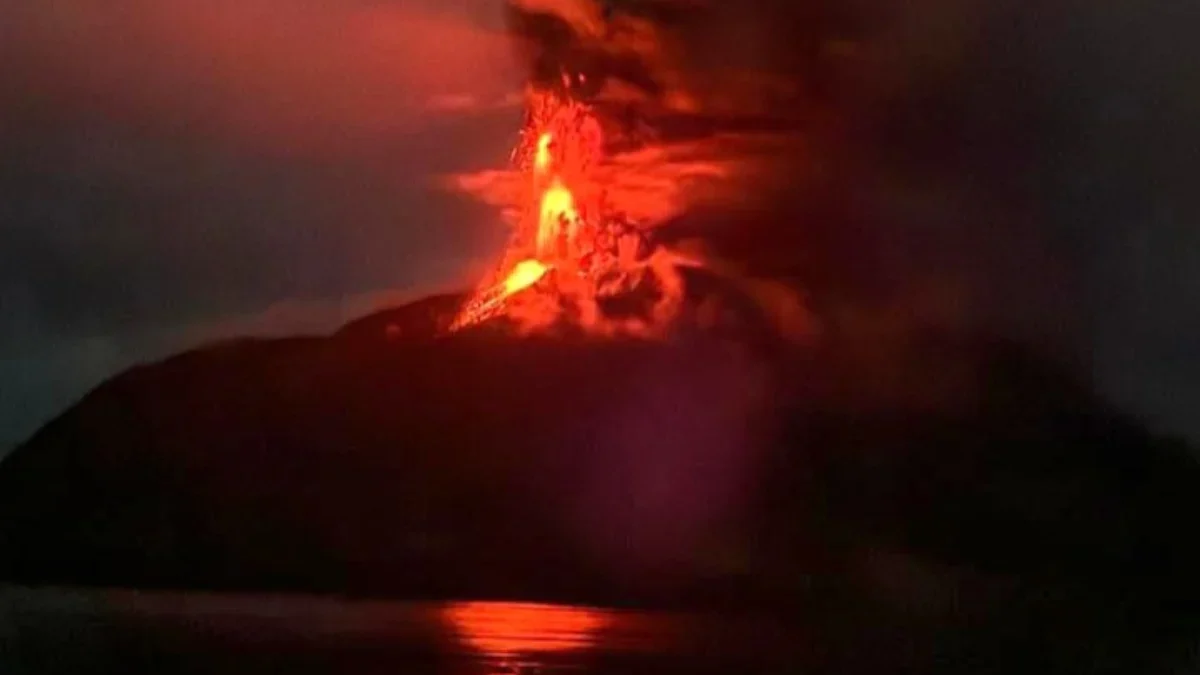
column 572, row 258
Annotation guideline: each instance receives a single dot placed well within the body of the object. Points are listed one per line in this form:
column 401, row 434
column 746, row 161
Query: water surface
column 69, row 631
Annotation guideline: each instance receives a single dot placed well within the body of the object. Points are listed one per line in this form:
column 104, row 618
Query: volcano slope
column 960, row 487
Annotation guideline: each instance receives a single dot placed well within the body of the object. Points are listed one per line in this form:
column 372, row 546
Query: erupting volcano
column 573, row 258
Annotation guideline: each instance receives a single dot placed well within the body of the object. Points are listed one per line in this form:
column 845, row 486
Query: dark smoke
column 916, row 195
column 997, row 167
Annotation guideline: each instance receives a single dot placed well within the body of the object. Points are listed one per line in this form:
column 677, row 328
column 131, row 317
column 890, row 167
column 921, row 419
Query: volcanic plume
column 827, row 160
column 572, row 256
column 616, row 146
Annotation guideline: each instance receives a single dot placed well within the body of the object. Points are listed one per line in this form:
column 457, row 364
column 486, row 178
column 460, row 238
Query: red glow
column 501, row 629
column 569, row 250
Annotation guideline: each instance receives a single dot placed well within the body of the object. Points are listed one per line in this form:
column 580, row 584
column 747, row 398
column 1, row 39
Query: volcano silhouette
column 392, row 459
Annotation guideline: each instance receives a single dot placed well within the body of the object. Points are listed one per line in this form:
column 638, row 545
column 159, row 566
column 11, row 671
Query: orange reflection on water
column 502, row 629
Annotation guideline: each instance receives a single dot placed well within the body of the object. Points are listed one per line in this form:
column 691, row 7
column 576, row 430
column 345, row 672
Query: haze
column 173, row 172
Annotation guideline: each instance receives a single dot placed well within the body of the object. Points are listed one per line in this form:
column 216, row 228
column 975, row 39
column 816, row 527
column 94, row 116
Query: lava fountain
column 572, row 258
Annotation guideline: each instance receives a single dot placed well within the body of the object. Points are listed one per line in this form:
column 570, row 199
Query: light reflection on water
column 80, row 631
column 507, row 629
column 515, row 637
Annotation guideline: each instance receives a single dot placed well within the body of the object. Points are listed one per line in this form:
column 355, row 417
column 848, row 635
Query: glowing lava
column 525, row 274
column 570, row 253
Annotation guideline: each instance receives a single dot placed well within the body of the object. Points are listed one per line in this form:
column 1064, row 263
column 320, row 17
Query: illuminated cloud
column 175, row 171
column 291, row 74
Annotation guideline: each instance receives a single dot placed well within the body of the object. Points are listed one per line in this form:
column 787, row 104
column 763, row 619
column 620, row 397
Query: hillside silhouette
column 960, row 482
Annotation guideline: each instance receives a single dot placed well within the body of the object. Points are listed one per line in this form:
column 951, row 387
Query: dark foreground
column 925, row 505
column 118, row 631
column 60, row 631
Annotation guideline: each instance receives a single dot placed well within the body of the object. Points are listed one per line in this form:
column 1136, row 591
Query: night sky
column 177, row 171
column 174, row 171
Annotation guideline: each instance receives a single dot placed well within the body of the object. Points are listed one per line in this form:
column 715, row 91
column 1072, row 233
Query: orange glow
column 567, row 225
column 542, row 159
column 525, row 274
column 502, row 629
column 558, row 209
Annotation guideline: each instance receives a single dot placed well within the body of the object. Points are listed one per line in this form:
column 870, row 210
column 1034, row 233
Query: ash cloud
column 990, row 166
column 168, row 165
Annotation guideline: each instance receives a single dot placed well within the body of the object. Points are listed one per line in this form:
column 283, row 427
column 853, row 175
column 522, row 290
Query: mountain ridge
column 385, row 458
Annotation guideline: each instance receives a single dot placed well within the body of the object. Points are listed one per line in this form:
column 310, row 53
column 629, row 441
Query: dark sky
column 173, row 171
